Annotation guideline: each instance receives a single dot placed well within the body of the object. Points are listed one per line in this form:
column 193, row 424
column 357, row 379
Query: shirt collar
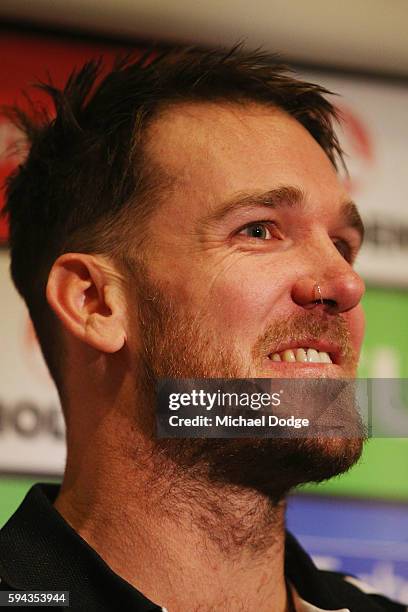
column 303, row 606
column 38, row 536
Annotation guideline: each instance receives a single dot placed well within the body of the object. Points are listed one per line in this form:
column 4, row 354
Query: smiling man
column 179, row 218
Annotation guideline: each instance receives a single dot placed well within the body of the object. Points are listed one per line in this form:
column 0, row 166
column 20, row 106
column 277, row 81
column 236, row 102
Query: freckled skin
column 244, row 285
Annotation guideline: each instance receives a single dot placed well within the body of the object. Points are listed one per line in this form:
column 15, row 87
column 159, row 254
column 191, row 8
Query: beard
column 176, row 343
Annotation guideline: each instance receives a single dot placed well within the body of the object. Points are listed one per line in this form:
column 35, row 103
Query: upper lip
column 320, row 345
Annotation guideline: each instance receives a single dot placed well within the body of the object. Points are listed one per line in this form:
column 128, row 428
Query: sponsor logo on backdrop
column 359, row 146
column 382, row 233
column 28, row 420
column 374, row 182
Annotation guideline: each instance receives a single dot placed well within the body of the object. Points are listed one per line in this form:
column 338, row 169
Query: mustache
column 296, row 328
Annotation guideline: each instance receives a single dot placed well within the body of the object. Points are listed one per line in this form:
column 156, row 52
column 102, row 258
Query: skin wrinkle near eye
column 213, row 282
column 275, row 199
column 353, row 249
column 255, row 245
column 350, row 256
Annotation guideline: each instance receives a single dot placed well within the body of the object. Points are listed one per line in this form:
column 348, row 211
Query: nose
column 334, row 293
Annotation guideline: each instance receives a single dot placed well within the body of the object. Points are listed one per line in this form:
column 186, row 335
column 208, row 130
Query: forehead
column 214, row 151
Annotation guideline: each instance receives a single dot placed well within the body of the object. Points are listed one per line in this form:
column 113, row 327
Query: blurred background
column 357, row 523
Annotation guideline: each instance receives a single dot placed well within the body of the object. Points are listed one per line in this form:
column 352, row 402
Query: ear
column 86, row 294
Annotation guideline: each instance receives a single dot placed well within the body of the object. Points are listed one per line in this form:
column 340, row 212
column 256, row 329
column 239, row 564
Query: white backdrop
column 31, row 425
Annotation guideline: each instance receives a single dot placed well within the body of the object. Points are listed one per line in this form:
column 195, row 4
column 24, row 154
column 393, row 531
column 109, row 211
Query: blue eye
column 257, row 230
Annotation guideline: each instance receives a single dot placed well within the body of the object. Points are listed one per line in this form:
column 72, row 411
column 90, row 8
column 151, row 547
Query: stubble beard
column 178, row 344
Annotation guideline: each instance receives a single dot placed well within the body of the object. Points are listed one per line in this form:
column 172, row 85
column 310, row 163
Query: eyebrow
column 282, row 197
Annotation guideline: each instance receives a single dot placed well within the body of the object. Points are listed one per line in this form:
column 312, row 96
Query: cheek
column 234, row 298
column 244, row 303
column 356, row 321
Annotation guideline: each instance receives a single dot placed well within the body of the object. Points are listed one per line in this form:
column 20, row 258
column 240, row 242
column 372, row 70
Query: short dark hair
column 86, row 171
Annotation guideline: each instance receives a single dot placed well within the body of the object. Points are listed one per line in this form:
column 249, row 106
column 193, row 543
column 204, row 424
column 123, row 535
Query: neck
column 184, row 542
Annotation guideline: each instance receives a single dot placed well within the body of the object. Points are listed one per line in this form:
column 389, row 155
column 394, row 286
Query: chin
column 274, row 467
column 270, row 466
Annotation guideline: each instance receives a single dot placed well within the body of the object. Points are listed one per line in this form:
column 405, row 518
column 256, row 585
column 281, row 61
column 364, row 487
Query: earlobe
column 86, row 295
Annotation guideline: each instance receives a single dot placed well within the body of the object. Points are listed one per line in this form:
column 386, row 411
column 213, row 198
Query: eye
column 261, row 230
column 345, row 249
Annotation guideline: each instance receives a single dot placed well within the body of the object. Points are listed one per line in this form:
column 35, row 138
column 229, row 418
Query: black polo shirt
column 40, row 551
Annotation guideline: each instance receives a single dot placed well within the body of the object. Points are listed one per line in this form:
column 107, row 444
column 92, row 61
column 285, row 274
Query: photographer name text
column 238, row 421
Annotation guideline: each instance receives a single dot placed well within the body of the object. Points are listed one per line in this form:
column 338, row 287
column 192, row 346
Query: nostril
column 327, row 302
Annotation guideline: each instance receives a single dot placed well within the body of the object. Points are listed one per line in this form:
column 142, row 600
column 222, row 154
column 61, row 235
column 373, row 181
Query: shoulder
column 359, row 594
column 26, row 539
column 4, row 585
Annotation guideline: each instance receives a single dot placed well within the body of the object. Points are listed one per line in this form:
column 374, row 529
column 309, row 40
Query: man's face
column 254, row 218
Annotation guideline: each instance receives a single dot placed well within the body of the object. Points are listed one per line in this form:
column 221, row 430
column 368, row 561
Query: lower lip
column 301, row 369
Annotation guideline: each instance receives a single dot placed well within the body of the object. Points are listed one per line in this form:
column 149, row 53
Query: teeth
column 302, row 355
column 313, row 356
column 325, row 358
